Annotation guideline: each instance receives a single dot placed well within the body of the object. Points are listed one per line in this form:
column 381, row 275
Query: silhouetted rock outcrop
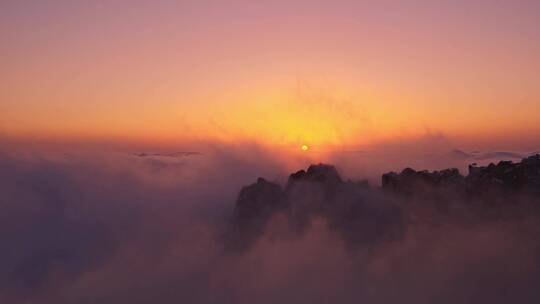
column 322, row 173
column 258, row 200
column 505, row 177
column 363, row 214
column 254, row 206
column 350, row 208
column 412, row 182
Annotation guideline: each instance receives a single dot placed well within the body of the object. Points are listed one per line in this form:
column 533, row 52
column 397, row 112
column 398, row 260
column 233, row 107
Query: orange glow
column 277, row 80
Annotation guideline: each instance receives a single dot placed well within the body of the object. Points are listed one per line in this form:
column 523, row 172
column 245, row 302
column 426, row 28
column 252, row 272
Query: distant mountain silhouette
column 365, row 214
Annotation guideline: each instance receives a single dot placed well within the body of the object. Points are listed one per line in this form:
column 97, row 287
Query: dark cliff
column 363, row 214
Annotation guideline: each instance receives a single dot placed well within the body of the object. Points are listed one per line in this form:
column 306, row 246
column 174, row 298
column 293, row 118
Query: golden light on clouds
column 177, row 74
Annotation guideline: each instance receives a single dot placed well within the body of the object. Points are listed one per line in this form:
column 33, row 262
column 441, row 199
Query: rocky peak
column 362, row 214
column 318, row 192
column 411, row 181
column 506, row 175
column 258, row 199
column 317, row 173
column 501, row 177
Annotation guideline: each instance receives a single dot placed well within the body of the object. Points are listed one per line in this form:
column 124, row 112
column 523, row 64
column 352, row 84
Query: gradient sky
column 276, row 72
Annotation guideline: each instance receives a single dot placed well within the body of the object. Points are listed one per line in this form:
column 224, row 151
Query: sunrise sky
column 274, row 72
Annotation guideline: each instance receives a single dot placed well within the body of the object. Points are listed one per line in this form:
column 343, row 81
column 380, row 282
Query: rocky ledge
column 364, row 214
column 504, row 178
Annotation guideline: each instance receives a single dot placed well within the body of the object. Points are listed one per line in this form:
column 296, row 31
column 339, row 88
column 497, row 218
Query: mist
column 137, row 226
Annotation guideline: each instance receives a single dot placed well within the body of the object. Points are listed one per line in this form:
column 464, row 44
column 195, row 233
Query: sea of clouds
column 116, row 226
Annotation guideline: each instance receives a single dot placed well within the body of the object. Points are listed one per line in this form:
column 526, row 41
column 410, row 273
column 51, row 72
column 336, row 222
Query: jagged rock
column 506, row 176
column 255, row 205
column 309, row 191
column 489, row 182
column 413, row 182
column 258, row 201
column 322, row 173
column 319, row 192
column 362, row 214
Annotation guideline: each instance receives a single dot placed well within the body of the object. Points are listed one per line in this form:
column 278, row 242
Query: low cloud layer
column 116, row 227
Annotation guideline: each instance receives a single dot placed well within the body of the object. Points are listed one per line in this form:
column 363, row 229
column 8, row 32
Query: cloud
column 111, row 227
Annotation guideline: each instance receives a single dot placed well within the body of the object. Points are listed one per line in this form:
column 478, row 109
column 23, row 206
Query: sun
column 304, row 148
